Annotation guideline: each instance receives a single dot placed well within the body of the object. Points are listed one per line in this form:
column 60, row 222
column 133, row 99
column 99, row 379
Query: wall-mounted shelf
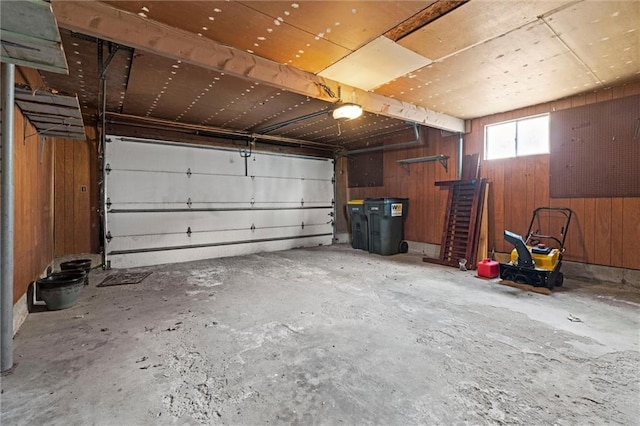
column 442, row 159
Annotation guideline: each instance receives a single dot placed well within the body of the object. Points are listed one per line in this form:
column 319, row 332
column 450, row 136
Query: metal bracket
column 103, row 66
column 108, row 203
column 442, row 159
column 253, row 227
column 108, row 236
column 189, row 231
column 302, row 224
column 252, row 202
column 189, row 202
column 189, row 172
column 107, row 168
column 302, row 202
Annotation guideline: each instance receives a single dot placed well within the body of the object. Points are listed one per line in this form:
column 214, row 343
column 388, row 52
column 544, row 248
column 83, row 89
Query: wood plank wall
column 33, row 231
column 427, row 203
column 603, row 231
column 76, row 201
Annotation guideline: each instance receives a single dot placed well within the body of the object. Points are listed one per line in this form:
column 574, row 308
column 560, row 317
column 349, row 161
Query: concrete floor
column 328, row 335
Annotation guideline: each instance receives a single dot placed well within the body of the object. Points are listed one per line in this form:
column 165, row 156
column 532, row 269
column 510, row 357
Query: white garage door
column 169, row 202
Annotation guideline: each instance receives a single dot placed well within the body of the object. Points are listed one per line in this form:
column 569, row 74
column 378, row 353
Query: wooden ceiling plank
column 475, row 22
column 101, row 20
column 431, row 13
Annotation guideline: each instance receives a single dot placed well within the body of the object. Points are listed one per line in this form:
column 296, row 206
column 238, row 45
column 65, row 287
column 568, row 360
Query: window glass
column 533, row 136
column 526, row 136
column 500, row 141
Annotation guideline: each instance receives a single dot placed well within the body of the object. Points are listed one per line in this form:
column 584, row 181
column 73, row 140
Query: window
column 526, row 136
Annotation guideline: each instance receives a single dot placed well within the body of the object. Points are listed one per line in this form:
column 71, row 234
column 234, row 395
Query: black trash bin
column 359, row 228
column 385, row 218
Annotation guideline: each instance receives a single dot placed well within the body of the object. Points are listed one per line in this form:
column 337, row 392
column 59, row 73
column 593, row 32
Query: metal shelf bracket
column 442, row 159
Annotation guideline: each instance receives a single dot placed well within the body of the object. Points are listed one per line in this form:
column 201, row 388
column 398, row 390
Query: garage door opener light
column 347, row 111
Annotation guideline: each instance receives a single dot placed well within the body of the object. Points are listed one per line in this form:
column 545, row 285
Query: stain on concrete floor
column 328, row 335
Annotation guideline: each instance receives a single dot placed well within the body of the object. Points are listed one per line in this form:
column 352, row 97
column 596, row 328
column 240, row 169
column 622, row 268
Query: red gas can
column 488, row 268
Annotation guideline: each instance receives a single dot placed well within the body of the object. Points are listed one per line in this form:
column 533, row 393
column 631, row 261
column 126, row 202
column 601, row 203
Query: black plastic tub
column 78, row 264
column 61, row 290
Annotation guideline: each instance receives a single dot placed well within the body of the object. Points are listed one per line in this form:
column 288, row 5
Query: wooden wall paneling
column 45, row 180
column 541, row 176
column 412, row 225
column 483, row 234
column 576, row 235
column 33, row 216
column 74, row 220
column 432, row 229
column 561, row 104
column 604, row 95
column 590, row 98
column 69, row 202
column 508, row 201
column 95, row 176
column 531, row 183
column 602, row 231
column 22, row 255
column 578, row 100
column 342, row 215
column 589, row 231
column 498, row 222
column 630, row 89
column 617, row 231
column 473, row 142
column 60, row 234
column 29, row 170
column 82, row 203
column 430, row 220
column 631, row 233
column 441, row 193
column 516, row 206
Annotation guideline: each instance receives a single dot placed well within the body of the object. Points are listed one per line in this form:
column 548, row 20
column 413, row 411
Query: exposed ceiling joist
column 103, row 21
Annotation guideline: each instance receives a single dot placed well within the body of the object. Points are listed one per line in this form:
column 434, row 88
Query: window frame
column 515, row 141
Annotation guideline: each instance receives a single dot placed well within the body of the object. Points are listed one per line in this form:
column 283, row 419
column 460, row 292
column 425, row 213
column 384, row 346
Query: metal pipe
column 460, row 154
column 411, row 144
column 6, row 218
column 103, row 161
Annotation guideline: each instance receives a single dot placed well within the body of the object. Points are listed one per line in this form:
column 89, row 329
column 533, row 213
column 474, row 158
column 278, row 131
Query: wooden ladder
column 462, row 222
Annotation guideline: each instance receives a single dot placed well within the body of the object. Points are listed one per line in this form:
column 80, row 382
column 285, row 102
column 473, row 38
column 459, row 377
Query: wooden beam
column 429, row 14
column 106, row 22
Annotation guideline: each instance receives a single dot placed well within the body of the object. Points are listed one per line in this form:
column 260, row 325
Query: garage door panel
column 297, row 191
column 126, row 154
column 156, row 209
column 171, row 188
column 183, row 240
column 132, row 223
column 131, row 260
column 282, row 166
